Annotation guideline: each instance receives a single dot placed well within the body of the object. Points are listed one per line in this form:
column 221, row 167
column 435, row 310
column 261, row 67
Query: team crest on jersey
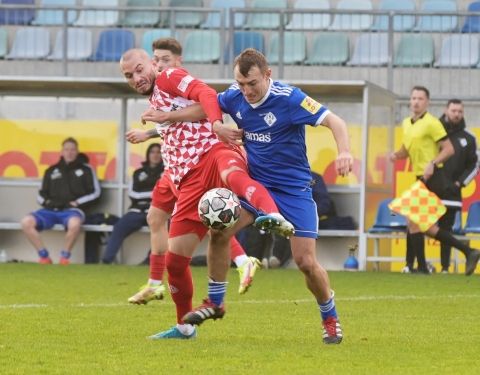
column 142, row 176
column 79, row 172
column 270, row 118
column 238, row 115
column 56, row 174
column 310, row 105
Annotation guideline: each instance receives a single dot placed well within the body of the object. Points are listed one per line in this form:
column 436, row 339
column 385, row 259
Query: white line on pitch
column 279, row 301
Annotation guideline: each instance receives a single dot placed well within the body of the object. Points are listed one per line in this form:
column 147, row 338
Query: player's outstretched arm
column 192, row 113
column 139, row 136
column 337, row 125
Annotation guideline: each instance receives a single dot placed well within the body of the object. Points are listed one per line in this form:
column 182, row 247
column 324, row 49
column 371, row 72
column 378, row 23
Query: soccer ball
column 219, row 208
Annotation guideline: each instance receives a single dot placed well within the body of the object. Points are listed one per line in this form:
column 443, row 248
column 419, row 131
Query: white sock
column 240, row 260
column 186, row 329
column 152, row 282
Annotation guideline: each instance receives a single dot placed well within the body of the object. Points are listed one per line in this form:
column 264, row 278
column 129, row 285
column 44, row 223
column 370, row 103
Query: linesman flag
column 419, row 205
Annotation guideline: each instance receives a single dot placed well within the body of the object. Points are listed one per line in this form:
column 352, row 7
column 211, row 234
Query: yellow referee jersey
column 420, row 139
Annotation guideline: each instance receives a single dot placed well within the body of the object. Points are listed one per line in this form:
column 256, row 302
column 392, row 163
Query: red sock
column 180, row 282
column 157, row 266
column 235, row 249
column 242, row 184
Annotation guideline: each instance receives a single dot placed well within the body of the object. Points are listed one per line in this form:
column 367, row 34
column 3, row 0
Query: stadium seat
column 310, row 21
column 265, row 20
column 53, row 17
column 438, row 23
column 79, row 45
column 459, row 51
column 400, row 22
column 152, row 35
column 112, row 44
column 472, row 23
column 194, row 47
column 213, row 19
column 242, row 40
column 329, row 49
column 3, row 43
column 30, row 43
column 352, row 21
column 188, row 19
column 415, row 50
column 457, row 224
column 385, row 222
column 17, row 16
column 90, row 17
column 294, row 51
column 473, row 219
column 133, row 18
column 371, row 49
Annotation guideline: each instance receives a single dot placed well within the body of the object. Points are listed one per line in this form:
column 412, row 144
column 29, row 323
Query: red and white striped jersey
column 184, row 142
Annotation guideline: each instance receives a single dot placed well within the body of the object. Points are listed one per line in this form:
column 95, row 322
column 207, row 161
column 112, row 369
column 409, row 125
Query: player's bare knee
column 219, row 237
column 305, row 264
column 74, row 224
column 28, row 223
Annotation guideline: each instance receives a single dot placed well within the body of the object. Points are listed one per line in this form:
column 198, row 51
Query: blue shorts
column 298, row 207
column 46, row 218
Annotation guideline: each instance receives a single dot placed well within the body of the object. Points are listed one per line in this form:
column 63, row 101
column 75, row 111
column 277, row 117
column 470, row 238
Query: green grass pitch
column 75, row 320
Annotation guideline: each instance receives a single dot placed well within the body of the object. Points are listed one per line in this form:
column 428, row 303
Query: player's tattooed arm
column 139, row 136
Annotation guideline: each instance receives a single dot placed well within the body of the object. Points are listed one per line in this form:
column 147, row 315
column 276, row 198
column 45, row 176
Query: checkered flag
column 419, row 205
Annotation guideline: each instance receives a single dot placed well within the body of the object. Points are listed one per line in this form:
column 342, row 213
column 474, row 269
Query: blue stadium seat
column 245, row 39
column 152, row 35
column 371, row 49
column 385, row 222
column 112, row 44
column 17, row 16
column 30, row 43
column 472, row 23
column 473, row 219
column 400, row 22
column 438, row 23
column 213, row 19
column 52, row 17
column 350, row 20
column 457, row 224
column 310, row 21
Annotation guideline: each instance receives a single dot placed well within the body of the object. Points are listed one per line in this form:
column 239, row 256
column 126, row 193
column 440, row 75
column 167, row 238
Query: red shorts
column 201, row 178
column 164, row 194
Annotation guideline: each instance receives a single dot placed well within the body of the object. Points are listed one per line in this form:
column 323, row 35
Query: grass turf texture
column 75, row 320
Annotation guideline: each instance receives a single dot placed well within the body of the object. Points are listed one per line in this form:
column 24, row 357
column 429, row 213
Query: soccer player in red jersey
column 164, row 197
column 197, row 161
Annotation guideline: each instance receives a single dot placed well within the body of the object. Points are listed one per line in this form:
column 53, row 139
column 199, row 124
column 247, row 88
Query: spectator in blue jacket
column 141, row 186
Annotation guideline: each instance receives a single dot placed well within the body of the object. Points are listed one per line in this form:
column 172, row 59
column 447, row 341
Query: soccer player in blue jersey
column 271, row 118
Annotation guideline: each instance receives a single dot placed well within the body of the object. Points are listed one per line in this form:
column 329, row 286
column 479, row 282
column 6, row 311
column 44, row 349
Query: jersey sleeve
column 225, row 99
column 437, row 131
column 306, row 111
column 179, row 82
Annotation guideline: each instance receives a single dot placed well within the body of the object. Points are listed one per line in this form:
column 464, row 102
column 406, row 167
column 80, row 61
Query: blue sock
column 43, row 253
column 65, row 254
column 327, row 309
column 216, row 291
